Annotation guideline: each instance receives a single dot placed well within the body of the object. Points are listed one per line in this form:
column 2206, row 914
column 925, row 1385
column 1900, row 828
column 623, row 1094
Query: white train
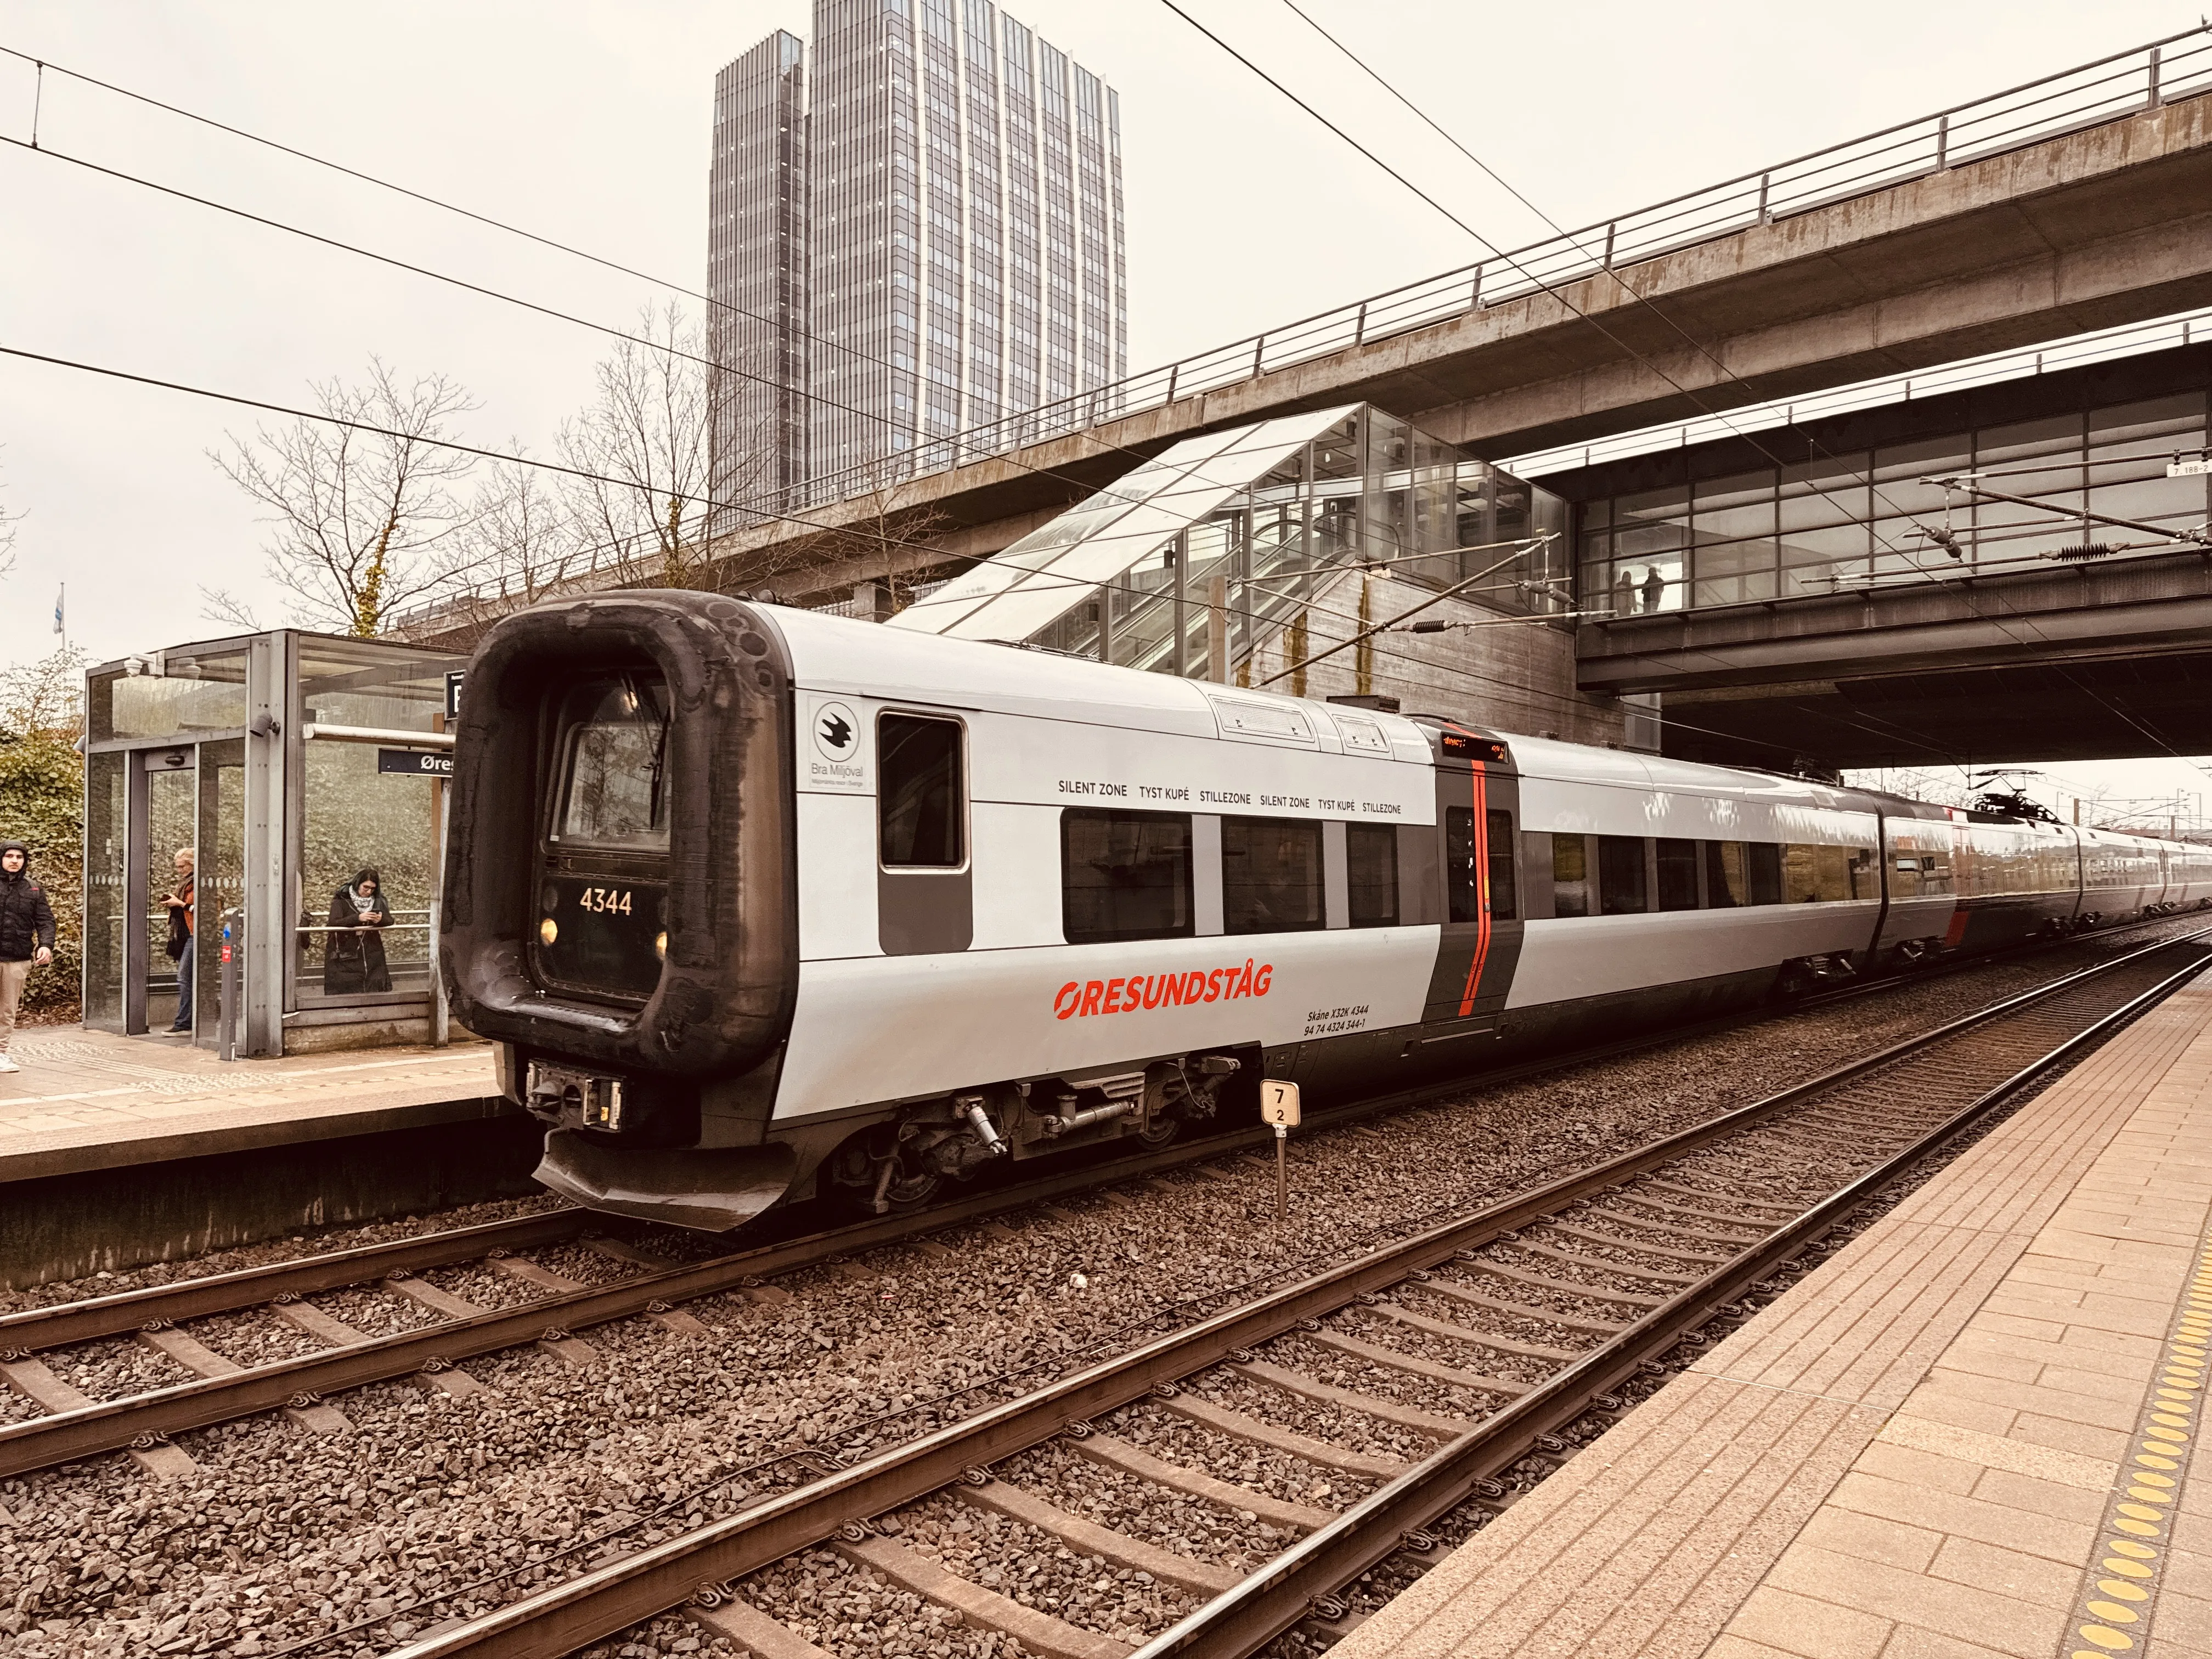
column 759, row 903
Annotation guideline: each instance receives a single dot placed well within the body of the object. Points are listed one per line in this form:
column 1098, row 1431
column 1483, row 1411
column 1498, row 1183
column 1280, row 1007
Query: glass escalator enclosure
column 602, row 927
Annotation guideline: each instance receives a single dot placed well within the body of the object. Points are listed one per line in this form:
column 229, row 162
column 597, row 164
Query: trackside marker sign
column 1080, row 998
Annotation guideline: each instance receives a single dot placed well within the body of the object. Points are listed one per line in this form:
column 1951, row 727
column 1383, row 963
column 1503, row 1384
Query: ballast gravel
column 1189, row 1527
column 851, row 1612
column 1330, row 1423
column 1036, row 1570
column 283, row 1534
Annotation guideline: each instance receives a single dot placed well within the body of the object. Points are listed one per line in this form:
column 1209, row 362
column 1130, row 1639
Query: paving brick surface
column 88, row 1099
column 1908, row 1455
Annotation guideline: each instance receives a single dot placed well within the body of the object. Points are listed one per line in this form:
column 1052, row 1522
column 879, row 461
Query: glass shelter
column 289, row 763
column 1191, row 563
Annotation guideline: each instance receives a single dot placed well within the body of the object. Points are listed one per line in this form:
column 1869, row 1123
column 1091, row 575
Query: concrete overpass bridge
column 2082, row 201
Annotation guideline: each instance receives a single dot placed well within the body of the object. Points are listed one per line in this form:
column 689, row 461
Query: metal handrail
column 2139, row 79
column 1945, row 139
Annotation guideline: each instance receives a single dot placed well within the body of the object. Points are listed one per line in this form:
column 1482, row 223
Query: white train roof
column 891, row 665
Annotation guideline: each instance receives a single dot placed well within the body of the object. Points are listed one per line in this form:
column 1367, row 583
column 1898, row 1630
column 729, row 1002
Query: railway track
column 552, row 1307
column 1500, row 1340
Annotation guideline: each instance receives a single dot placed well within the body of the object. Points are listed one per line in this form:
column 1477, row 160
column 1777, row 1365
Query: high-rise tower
column 756, row 273
column 959, row 251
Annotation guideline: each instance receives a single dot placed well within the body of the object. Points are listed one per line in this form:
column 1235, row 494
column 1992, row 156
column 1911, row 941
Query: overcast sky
column 590, row 124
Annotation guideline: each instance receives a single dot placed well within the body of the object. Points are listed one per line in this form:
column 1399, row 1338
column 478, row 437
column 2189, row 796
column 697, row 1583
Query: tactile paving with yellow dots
column 1968, row 1433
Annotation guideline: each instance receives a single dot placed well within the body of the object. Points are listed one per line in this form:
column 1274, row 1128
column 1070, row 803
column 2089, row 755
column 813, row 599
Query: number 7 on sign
column 1279, row 1105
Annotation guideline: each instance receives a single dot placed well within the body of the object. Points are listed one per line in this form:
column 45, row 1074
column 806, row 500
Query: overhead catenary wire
column 1551, row 290
column 750, row 506
column 1473, row 676
column 954, row 439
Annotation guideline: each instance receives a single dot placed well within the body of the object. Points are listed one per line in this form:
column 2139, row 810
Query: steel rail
column 144, row 1419
column 1244, row 1619
column 34, row 1329
column 615, row 1596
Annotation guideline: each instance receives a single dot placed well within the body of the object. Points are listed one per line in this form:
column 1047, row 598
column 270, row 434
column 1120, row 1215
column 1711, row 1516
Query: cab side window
column 920, row 820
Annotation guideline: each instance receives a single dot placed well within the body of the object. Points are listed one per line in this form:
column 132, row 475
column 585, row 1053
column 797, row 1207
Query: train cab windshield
column 614, row 747
column 603, row 884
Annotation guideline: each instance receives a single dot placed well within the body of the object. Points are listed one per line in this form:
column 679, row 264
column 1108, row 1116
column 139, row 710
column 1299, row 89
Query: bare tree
column 8, row 522
column 45, row 698
column 364, row 503
column 522, row 533
column 887, row 537
column 648, row 440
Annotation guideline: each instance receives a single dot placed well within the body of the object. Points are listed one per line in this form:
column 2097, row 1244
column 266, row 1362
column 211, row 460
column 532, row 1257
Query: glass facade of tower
column 959, row 251
column 757, row 272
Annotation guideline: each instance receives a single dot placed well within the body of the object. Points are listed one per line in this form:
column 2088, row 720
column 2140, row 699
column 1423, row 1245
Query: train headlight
column 660, row 945
column 548, row 930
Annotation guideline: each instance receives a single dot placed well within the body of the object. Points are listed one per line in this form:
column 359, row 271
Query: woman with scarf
column 352, row 955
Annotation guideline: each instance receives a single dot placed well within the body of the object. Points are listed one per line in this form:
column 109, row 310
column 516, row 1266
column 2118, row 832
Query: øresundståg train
column 759, row 904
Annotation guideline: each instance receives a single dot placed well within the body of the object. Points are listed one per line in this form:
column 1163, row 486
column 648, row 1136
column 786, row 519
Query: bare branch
column 650, row 430
column 220, row 604
column 363, row 523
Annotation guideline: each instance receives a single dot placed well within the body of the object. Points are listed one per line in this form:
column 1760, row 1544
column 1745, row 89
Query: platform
column 118, row 1151
column 1963, row 1436
column 88, row 1100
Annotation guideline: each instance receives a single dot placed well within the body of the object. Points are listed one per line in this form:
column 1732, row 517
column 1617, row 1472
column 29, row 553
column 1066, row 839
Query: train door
column 1478, row 818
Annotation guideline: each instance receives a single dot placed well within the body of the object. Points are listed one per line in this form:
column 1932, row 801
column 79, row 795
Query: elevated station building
column 1805, row 593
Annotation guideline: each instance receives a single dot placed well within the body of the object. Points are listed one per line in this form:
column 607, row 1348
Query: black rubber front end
column 731, row 973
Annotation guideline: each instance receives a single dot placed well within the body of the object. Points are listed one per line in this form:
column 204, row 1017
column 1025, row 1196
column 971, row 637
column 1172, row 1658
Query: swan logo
column 836, row 733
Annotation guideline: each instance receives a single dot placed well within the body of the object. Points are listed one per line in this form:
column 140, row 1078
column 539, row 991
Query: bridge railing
column 2089, row 94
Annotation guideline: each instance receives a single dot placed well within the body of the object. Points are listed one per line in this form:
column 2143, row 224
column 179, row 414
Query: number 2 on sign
column 605, row 901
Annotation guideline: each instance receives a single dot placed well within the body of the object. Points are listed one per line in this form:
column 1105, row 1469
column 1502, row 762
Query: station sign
column 415, row 762
column 453, row 677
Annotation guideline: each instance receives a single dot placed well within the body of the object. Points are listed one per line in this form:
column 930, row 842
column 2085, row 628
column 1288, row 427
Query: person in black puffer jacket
column 27, row 936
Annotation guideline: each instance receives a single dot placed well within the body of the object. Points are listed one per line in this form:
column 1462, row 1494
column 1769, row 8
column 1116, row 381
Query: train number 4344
column 605, row 900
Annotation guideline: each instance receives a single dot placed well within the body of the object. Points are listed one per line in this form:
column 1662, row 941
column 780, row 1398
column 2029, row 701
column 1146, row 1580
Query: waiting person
column 183, row 938
column 1624, row 594
column 353, row 958
column 27, row 936
column 1655, row 588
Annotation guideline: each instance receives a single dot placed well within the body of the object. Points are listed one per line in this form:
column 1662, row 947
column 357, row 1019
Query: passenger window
column 1621, row 874
column 1571, row 894
column 1371, row 862
column 1271, row 880
column 1678, row 875
column 1124, row 876
column 1727, row 876
column 1817, row 875
column 1504, row 900
column 1766, row 871
column 918, row 801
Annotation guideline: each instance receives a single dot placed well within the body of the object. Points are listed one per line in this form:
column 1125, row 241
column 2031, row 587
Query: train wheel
column 910, row 1189
column 1159, row 1131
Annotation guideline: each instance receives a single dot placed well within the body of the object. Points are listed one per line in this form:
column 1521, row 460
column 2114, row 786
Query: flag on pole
column 60, row 593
